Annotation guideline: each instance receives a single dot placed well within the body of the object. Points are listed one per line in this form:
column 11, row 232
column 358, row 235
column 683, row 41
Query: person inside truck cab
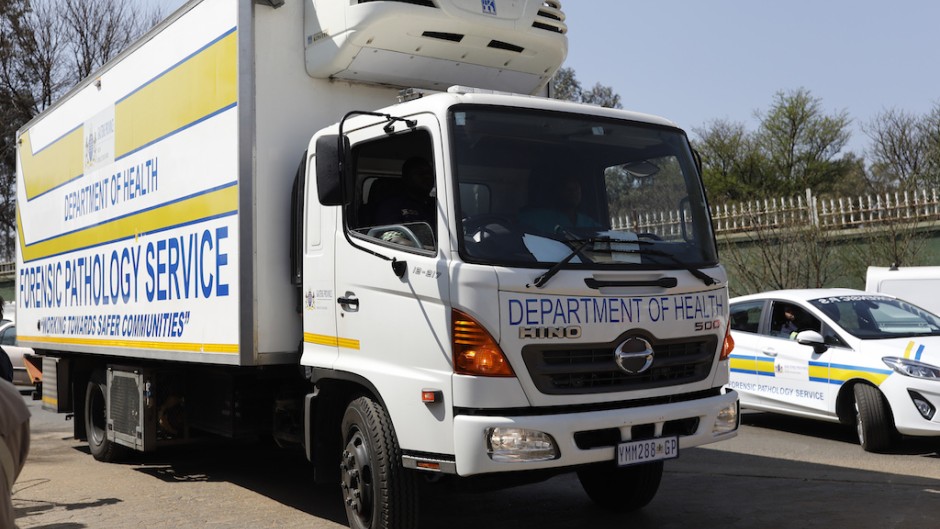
column 413, row 200
column 560, row 210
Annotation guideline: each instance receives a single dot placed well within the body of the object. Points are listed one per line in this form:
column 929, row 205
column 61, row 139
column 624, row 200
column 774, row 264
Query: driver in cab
column 412, row 203
column 561, row 211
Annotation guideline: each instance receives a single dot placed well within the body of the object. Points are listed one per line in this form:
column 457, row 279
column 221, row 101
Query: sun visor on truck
column 507, row 46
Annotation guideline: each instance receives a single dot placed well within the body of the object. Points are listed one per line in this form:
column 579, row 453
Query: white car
column 841, row 355
column 16, row 353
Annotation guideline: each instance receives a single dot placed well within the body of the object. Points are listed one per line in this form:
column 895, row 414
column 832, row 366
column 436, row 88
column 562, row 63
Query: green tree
column 603, row 96
column 731, row 164
column 46, row 47
column 905, row 149
column 565, row 85
column 801, row 143
column 796, row 146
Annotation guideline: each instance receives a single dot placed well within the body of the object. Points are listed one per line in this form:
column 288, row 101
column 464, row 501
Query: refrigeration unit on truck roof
column 509, row 46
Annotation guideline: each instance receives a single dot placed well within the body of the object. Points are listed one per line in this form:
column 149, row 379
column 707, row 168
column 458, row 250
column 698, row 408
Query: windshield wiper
column 707, row 279
column 541, row 280
column 550, row 273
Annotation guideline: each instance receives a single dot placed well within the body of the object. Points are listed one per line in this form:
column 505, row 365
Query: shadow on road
column 282, row 475
column 712, row 488
column 921, row 446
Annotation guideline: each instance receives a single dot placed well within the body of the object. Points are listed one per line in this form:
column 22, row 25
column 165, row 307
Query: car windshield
column 872, row 317
column 537, row 188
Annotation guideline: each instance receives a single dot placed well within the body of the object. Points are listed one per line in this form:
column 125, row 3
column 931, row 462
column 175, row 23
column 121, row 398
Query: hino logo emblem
column 489, row 7
column 634, row 356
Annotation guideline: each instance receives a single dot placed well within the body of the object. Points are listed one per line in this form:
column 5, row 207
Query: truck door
column 392, row 283
column 317, row 296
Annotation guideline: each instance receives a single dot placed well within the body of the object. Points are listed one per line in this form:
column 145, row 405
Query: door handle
column 770, row 353
column 349, row 302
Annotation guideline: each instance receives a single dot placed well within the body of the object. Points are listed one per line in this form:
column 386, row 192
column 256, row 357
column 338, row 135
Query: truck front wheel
column 378, row 492
column 622, row 489
column 96, row 419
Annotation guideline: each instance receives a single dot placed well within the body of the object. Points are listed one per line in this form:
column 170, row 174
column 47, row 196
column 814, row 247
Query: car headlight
column 912, row 368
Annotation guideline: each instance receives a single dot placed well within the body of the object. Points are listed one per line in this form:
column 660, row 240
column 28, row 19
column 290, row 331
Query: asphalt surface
column 779, row 472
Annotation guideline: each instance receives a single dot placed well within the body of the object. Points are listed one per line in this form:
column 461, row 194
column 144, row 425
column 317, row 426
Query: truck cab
column 559, row 304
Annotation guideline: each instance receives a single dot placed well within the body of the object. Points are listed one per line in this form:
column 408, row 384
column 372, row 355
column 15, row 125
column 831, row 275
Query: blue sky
column 694, row 61
column 697, row 61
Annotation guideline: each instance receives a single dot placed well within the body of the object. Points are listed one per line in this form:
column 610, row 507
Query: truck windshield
column 535, row 187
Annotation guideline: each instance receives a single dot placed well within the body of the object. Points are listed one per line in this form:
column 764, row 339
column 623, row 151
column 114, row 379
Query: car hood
column 922, row 348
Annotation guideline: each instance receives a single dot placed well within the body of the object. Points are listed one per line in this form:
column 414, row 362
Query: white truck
column 533, row 308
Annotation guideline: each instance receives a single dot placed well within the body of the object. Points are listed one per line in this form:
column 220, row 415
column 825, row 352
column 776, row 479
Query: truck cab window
column 395, row 192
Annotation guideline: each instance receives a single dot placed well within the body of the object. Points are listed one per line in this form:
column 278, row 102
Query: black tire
column 377, row 491
column 872, row 419
column 623, row 489
column 96, row 420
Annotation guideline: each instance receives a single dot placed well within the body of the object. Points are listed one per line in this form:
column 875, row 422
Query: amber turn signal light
column 475, row 351
column 728, row 345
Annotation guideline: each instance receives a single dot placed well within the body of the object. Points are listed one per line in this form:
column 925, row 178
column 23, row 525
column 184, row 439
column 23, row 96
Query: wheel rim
column 858, row 425
column 357, row 477
column 97, row 415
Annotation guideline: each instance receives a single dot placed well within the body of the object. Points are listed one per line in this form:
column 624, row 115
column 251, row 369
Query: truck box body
column 153, row 216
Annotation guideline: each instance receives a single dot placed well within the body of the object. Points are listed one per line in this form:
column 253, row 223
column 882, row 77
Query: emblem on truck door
column 634, row 356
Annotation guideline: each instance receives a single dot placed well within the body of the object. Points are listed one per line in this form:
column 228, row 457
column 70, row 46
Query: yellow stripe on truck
column 53, row 166
column 331, row 341
column 218, row 202
column 133, row 344
column 192, row 91
column 195, row 89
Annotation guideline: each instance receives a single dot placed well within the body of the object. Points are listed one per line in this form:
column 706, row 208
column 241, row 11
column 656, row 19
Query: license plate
column 636, row 452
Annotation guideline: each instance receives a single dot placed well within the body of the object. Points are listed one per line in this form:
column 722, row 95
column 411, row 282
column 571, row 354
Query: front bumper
column 908, row 421
column 572, row 432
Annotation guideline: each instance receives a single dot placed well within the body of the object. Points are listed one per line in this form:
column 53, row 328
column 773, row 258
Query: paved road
column 780, row 472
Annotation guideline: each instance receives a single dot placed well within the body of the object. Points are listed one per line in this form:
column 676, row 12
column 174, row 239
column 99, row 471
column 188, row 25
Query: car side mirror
column 814, row 340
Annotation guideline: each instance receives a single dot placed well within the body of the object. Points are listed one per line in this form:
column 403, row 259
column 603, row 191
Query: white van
column 916, row 284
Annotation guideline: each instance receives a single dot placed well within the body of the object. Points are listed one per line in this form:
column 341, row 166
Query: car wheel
column 872, row 419
column 622, row 489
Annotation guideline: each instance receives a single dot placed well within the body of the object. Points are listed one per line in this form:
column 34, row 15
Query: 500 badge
column 707, row 325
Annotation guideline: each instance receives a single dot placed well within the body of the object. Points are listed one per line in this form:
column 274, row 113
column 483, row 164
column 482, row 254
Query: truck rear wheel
column 622, row 489
column 96, row 420
column 378, row 492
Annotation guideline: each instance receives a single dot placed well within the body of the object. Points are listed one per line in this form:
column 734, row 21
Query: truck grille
column 566, row 371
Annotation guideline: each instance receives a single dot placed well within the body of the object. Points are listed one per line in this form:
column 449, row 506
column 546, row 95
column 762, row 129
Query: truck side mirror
column 331, row 163
column 813, row 339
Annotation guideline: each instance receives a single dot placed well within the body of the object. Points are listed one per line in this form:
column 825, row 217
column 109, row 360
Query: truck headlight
column 511, row 445
column 727, row 419
column 912, row 368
